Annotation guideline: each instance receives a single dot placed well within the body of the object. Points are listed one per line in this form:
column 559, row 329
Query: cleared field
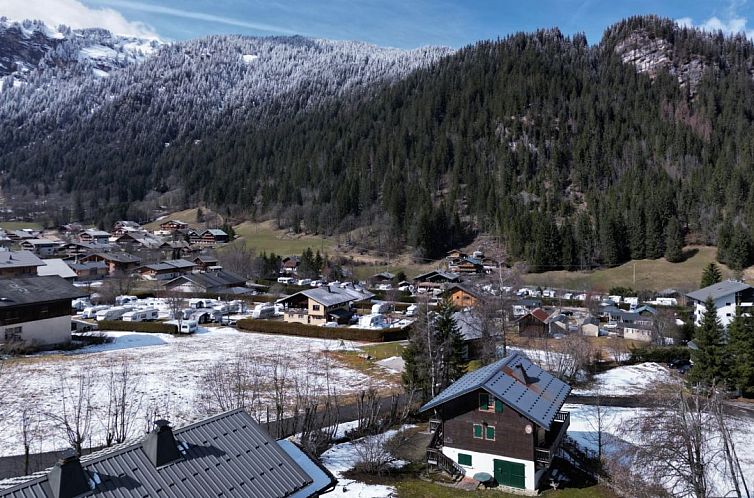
column 19, row 225
column 363, row 272
column 265, row 238
column 651, row 274
column 187, row 216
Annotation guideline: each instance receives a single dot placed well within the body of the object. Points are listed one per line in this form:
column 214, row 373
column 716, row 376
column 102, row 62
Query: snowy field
column 169, row 372
column 583, row 431
column 627, row 380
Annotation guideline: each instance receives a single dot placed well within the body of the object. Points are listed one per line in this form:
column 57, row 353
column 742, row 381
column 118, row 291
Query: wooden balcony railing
column 544, row 455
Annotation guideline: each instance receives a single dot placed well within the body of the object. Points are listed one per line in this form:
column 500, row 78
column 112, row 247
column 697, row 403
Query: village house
column 77, row 249
column 534, row 324
column 117, row 262
column 123, row 226
column 289, row 264
column 23, row 234
column 384, row 277
column 210, row 282
column 726, row 295
column 503, row 420
column 173, row 225
column 212, row 236
column 19, row 264
column 642, row 331
column 475, row 339
column 43, row 248
column 465, row 264
column 166, row 270
column 93, row 270
column 462, row 296
column 228, row 455
column 590, row 326
column 317, row 306
column 56, row 266
column 435, row 279
column 94, row 237
column 5, row 241
column 205, row 262
column 36, row 311
column 139, row 240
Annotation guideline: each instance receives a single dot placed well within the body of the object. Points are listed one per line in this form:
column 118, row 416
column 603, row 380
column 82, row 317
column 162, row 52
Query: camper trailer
column 121, row 300
column 381, row 307
column 91, row 311
column 262, row 311
column 189, row 327
column 372, row 321
column 143, row 315
column 115, row 313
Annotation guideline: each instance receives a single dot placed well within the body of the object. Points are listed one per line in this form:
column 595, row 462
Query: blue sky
column 400, row 23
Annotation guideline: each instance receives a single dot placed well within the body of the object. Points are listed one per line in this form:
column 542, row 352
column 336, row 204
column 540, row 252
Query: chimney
column 160, row 445
column 522, row 371
column 68, row 478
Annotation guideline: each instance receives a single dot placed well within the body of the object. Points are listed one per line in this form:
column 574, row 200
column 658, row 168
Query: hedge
column 153, row 327
column 304, row 330
column 660, row 354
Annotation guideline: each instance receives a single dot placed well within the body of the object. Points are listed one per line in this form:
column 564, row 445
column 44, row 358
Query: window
column 489, row 403
column 498, row 406
column 13, row 334
column 477, row 431
column 315, row 307
column 464, row 459
column 490, row 435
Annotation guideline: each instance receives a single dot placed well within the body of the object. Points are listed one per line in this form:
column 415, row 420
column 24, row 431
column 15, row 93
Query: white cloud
column 75, row 14
column 731, row 24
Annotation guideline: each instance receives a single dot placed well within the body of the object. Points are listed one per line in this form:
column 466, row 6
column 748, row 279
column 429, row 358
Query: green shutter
column 490, row 433
column 498, row 406
column 484, row 401
column 464, row 459
column 477, row 431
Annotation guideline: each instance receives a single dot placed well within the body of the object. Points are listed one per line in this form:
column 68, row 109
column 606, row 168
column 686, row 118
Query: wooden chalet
column 94, row 237
column 166, row 270
column 534, row 324
column 436, row 279
column 117, row 262
column 19, row 264
column 213, row 236
column 173, row 225
column 329, row 303
column 204, row 262
column 462, row 296
column 466, row 264
column 290, row 264
column 504, row 420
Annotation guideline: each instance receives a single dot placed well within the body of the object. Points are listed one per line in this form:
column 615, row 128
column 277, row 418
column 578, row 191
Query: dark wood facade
column 10, row 315
column 531, row 326
column 460, row 415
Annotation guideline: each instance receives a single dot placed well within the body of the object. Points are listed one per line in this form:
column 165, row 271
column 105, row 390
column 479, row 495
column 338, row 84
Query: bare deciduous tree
column 74, row 414
column 124, row 401
column 228, row 385
column 31, row 432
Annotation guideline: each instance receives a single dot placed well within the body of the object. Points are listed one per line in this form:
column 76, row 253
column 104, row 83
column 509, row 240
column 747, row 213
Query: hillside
column 574, row 155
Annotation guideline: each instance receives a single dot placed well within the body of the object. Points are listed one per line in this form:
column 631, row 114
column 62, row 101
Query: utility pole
column 634, row 273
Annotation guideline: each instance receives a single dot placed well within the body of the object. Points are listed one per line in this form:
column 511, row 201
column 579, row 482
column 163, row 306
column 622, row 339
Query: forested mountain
column 574, row 154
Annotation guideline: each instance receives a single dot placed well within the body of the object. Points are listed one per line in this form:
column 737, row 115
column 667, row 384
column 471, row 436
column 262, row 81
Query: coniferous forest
column 574, row 154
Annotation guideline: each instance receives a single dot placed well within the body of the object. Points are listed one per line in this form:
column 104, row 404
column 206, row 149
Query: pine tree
column 451, row 347
column 709, row 367
column 740, row 353
column 673, row 241
column 711, row 275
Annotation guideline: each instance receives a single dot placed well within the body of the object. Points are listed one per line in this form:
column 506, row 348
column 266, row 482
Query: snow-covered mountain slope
column 184, row 88
column 29, row 49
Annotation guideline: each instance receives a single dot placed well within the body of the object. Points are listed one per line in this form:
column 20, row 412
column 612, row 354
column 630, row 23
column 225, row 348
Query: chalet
column 19, row 264
column 93, row 270
column 462, row 296
column 534, row 324
column 504, row 420
column 466, row 264
column 204, row 262
column 435, row 279
column 490, row 264
column 213, row 236
column 384, row 277
column 24, row 234
column 290, row 264
column 191, row 235
column 5, row 241
column 94, row 236
column 173, row 225
column 41, row 247
column 228, row 455
column 123, row 226
column 474, row 335
column 117, row 262
column 57, row 267
column 138, row 240
column 643, row 332
column 78, row 249
column 215, row 282
column 36, row 311
column 166, row 270
column 455, row 254
column 726, row 295
column 317, row 306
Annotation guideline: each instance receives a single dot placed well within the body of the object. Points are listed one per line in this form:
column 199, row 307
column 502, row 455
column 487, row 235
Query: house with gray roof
column 220, row 281
column 329, row 303
column 166, row 270
column 726, row 295
column 18, row 263
column 36, row 311
column 228, row 455
column 503, row 419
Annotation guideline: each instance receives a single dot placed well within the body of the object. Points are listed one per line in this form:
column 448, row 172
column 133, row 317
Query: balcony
column 545, row 452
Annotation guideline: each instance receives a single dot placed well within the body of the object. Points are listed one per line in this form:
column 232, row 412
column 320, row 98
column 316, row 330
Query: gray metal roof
column 30, row 290
column 332, row 295
column 718, row 290
column 438, row 274
column 19, row 259
column 56, row 267
column 118, row 257
column 470, row 325
column 211, row 279
column 228, row 455
column 537, row 395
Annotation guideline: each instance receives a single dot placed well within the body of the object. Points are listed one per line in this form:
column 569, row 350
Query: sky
column 395, row 23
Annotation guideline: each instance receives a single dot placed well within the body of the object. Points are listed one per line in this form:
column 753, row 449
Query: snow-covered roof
column 718, row 290
column 55, row 267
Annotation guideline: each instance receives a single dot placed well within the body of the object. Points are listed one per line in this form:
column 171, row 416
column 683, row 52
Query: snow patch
column 627, row 380
column 248, row 58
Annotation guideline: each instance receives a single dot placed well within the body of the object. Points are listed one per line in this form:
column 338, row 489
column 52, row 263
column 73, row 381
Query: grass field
column 18, row 225
column 417, row 488
column 384, row 350
column 264, row 237
column 650, row 274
